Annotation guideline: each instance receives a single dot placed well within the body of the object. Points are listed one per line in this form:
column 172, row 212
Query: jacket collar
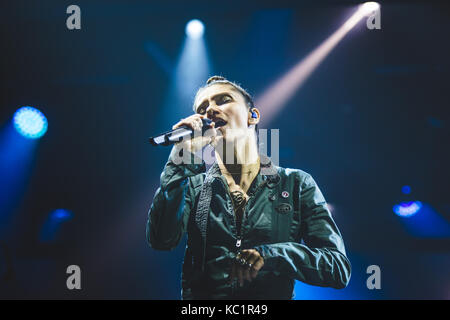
column 267, row 172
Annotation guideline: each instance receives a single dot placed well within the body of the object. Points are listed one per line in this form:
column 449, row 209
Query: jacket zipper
column 237, row 234
column 244, row 214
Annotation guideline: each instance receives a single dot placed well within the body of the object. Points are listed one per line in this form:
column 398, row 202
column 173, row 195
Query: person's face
column 225, row 106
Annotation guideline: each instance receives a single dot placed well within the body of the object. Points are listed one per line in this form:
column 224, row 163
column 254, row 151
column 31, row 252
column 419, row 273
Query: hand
column 197, row 142
column 248, row 270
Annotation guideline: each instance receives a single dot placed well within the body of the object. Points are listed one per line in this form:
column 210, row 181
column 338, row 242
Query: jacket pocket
column 282, row 219
column 261, row 229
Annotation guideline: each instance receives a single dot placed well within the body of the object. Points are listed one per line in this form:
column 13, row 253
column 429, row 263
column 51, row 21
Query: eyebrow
column 219, row 95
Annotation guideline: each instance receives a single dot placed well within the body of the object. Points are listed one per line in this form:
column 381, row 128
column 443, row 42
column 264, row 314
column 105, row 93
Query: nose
column 212, row 110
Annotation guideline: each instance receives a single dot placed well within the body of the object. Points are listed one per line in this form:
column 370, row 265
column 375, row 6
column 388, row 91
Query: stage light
column 406, row 189
column 424, row 221
column 369, row 7
column 189, row 73
column 61, row 214
column 52, row 227
column 30, row 122
column 195, row 29
column 407, row 209
column 276, row 96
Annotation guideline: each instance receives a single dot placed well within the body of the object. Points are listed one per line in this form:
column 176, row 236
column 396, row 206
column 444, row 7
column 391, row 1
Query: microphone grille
column 206, row 121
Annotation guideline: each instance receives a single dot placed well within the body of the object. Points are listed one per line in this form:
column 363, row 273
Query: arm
column 321, row 261
column 169, row 213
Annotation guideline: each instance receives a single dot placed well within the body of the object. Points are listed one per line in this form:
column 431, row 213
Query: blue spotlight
column 407, row 209
column 192, row 68
column 51, row 229
column 429, row 223
column 195, row 29
column 30, row 122
column 61, row 214
column 406, row 189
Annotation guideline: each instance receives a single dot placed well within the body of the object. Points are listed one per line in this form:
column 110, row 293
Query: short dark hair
column 221, row 80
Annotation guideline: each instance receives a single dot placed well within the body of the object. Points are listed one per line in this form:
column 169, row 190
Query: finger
column 245, row 253
column 178, row 124
column 194, row 122
column 246, row 272
column 240, row 275
column 233, row 272
column 210, row 132
column 253, row 257
column 256, row 267
column 258, row 264
column 197, row 124
column 250, row 256
column 196, row 116
column 253, row 273
column 217, row 141
column 185, row 122
column 251, row 260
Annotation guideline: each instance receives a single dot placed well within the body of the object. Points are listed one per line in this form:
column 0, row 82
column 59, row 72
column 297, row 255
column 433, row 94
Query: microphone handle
column 172, row 136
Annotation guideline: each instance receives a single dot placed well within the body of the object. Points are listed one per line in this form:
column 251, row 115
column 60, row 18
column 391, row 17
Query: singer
column 253, row 227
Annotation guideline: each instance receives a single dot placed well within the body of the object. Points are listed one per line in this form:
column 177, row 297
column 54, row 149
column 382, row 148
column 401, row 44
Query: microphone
column 176, row 135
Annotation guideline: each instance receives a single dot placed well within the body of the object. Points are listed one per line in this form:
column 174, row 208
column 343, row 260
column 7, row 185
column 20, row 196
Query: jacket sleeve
column 321, row 260
column 173, row 201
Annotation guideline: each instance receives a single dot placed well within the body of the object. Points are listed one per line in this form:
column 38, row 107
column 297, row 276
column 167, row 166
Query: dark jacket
column 286, row 219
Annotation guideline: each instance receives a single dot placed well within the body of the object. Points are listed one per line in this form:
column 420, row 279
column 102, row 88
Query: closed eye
column 202, row 109
column 224, row 99
column 220, row 99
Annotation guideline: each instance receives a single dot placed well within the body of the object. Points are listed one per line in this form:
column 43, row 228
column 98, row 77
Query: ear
column 253, row 116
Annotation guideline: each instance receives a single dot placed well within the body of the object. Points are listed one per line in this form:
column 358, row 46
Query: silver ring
column 242, row 261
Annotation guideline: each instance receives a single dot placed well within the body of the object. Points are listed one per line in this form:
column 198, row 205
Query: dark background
column 372, row 118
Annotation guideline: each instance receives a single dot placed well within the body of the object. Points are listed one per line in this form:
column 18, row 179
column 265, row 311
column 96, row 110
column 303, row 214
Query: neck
column 239, row 155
